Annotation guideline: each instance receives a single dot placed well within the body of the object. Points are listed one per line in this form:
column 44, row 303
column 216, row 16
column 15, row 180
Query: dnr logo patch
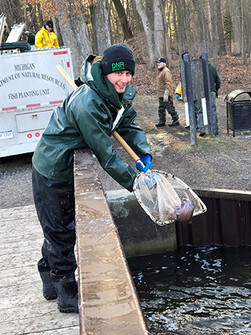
column 118, row 66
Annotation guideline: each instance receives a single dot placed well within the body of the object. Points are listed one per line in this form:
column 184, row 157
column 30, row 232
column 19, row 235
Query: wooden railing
column 108, row 302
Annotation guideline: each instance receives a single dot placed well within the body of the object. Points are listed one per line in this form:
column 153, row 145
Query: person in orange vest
column 45, row 37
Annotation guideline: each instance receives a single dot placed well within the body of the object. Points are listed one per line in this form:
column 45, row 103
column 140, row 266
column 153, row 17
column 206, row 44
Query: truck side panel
column 30, row 89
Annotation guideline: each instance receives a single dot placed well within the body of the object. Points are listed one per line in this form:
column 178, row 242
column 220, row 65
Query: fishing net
column 166, row 198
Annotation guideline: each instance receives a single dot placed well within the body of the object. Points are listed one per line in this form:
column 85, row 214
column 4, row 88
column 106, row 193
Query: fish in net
column 166, row 198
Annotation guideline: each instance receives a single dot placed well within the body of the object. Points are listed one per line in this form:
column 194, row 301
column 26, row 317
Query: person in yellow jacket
column 178, row 92
column 45, row 37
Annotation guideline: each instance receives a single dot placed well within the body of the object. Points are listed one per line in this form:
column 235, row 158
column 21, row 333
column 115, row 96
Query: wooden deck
column 23, row 308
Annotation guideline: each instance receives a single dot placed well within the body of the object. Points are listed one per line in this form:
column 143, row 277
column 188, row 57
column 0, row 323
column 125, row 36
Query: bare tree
column 12, row 11
column 147, row 28
column 123, row 19
column 181, row 26
column 74, row 32
column 153, row 22
column 159, row 33
column 248, row 26
column 222, row 46
column 213, row 50
column 236, row 12
column 100, row 26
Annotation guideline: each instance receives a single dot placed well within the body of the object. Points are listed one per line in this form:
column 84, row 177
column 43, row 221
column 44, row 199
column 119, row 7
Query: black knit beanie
column 49, row 23
column 117, row 57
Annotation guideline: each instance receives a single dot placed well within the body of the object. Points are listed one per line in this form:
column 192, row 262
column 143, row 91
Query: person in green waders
column 87, row 118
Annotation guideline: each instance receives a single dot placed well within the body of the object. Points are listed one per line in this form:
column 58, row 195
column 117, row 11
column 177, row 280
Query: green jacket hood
column 91, row 74
column 104, row 85
column 85, row 70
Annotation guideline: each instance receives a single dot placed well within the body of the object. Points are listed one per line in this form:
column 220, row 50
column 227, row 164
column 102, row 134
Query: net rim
column 202, row 207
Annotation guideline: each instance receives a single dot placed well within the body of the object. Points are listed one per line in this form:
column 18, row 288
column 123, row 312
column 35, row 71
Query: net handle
column 127, row 148
column 116, row 135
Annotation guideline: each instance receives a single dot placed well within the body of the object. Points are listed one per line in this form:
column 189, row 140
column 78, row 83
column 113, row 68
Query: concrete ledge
column 138, row 233
column 108, row 302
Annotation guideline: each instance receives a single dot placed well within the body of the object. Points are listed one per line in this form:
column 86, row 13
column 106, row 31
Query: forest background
column 166, row 28
column 154, row 28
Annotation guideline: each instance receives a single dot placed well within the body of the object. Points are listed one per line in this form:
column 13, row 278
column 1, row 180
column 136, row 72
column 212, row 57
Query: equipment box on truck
column 30, row 89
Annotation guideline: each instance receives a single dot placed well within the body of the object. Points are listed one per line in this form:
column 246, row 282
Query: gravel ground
column 221, row 162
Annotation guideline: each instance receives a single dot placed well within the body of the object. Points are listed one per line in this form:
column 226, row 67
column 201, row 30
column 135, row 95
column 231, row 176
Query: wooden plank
column 23, row 308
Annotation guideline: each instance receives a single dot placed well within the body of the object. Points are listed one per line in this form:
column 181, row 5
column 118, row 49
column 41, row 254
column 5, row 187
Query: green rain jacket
column 86, row 120
column 214, row 78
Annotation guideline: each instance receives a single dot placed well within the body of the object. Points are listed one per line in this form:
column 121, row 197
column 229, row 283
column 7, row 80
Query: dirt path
column 220, row 162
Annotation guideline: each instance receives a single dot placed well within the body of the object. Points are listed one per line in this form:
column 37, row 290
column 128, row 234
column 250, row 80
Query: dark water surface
column 195, row 291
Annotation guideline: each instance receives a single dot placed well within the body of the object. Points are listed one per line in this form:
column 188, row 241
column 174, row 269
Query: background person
column 165, row 94
column 30, row 37
column 197, row 110
column 215, row 83
column 86, row 119
column 45, row 37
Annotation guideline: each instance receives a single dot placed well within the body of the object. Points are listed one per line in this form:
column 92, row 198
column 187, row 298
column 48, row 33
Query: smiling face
column 120, row 79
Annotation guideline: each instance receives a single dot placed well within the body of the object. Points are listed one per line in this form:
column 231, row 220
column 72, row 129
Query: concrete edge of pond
column 138, row 233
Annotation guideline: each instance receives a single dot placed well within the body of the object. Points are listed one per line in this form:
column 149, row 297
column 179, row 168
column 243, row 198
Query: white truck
column 30, row 89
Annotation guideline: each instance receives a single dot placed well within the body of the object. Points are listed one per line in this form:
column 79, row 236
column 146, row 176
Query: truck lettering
column 30, row 75
column 36, row 75
column 48, row 78
column 13, row 96
column 59, row 83
column 6, row 80
column 28, row 94
column 22, row 95
column 29, row 81
column 22, row 67
column 44, row 92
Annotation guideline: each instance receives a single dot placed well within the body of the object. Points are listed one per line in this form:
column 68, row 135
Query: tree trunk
column 167, row 15
column 222, row 46
column 243, row 50
column 153, row 22
column 100, row 26
column 148, row 31
column 40, row 15
column 236, row 10
column 248, row 27
column 201, row 37
column 74, row 34
column 182, row 26
column 214, row 34
column 159, row 30
column 12, row 11
column 123, row 19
